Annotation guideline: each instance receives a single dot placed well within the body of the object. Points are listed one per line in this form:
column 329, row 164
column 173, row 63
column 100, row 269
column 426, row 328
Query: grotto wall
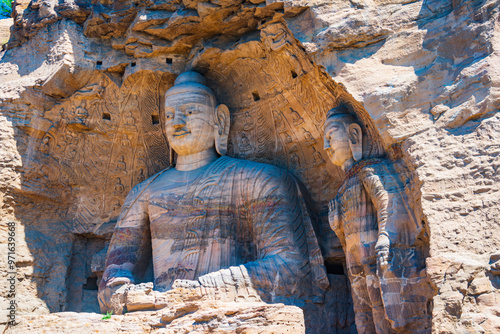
column 81, row 112
column 427, row 73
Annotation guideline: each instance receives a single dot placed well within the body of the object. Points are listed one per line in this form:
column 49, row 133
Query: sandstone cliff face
column 427, row 73
column 76, row 83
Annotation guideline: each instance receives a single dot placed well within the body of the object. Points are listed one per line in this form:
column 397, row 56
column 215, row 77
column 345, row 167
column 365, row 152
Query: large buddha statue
column 214, row 222
column 379, row 234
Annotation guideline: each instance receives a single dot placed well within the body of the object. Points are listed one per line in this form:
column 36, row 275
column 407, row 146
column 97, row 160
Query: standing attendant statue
column 231, row 228
column 379, row 234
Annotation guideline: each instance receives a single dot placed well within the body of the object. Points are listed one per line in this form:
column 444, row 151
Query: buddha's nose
column 178, row 121
column 327, row 144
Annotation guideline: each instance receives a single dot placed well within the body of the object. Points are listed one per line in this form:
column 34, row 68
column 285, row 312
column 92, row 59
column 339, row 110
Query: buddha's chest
column 177, row 214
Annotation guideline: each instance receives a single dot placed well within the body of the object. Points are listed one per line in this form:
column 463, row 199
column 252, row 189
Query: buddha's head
column 193, row 120
column 343, row 137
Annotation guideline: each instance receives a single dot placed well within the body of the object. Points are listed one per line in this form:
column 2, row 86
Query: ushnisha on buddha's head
column 193, row 121
column 343, row 137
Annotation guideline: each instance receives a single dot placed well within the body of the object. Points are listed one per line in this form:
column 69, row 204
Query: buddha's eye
column 190, row 111
column 169, row 115
column 334, row 128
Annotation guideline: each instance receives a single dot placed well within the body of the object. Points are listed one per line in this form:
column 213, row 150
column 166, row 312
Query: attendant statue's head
column 343, row 137
column 194, row 123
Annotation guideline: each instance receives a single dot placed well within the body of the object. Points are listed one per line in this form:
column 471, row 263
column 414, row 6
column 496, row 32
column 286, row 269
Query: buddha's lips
column 181, row 133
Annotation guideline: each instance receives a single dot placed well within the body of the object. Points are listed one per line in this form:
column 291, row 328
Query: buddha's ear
column 222, row 123
column 355, row 141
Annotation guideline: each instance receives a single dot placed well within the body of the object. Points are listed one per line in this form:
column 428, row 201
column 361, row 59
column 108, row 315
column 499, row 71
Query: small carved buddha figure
column 129, row 119
column 379, row 234
column 119, row 187
column 245, row 143
column 317, row 158
column 44, row 146
column 295, row 160
column 125, row 142
column 309, row 139
column 248, row 122
column 232, row 229
column 141, row 177
column 278, row 120
column 116, row 205
column 297, row 120
column 82, row 113
column 141, row 157
column 121, row 164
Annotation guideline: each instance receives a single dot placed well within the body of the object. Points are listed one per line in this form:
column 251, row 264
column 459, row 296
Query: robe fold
column 232, row 223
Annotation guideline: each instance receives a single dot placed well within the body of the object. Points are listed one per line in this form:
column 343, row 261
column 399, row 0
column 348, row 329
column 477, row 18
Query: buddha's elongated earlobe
column 355, row 141
column 222, row 123
column 171, row 156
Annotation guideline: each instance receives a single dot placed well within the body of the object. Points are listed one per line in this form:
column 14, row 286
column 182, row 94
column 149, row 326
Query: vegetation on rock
column 5, row 9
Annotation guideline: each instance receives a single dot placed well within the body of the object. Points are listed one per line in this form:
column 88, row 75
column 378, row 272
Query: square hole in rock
column 91, row 284
column 256, row 96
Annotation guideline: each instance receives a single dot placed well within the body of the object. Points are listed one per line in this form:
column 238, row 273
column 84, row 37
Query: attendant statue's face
column 189, row 122
column 337, row 142
column 343, row 140
column 193, row 123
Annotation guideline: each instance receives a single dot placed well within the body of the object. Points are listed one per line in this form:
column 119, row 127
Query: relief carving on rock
column 378, row 230
column 100, row 140
column 109, row 137
column 82, row 118
column 209, row 229
column 278, row 100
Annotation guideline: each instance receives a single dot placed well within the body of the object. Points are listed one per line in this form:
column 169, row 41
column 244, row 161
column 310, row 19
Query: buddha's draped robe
column 372, row 201
column 232, row 223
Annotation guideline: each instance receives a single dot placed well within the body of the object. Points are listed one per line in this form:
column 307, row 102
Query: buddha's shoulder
column 139, row 188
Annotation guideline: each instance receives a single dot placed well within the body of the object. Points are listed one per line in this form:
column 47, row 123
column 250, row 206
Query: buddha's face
column 189, row 122
column 337, row 141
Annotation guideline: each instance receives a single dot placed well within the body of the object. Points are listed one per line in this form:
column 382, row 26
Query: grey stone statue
column 232, row 228
column 379, row 234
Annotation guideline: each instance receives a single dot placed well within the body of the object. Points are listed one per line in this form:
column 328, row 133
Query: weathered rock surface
column 425, row 72
column 190, row 317
column 5, row 25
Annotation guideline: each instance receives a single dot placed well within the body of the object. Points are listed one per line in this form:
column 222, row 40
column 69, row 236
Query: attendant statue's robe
column 230, row 224
column 372, row 201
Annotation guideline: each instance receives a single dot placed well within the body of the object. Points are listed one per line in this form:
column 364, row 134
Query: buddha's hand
column 113, row 296
column 383, row 252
